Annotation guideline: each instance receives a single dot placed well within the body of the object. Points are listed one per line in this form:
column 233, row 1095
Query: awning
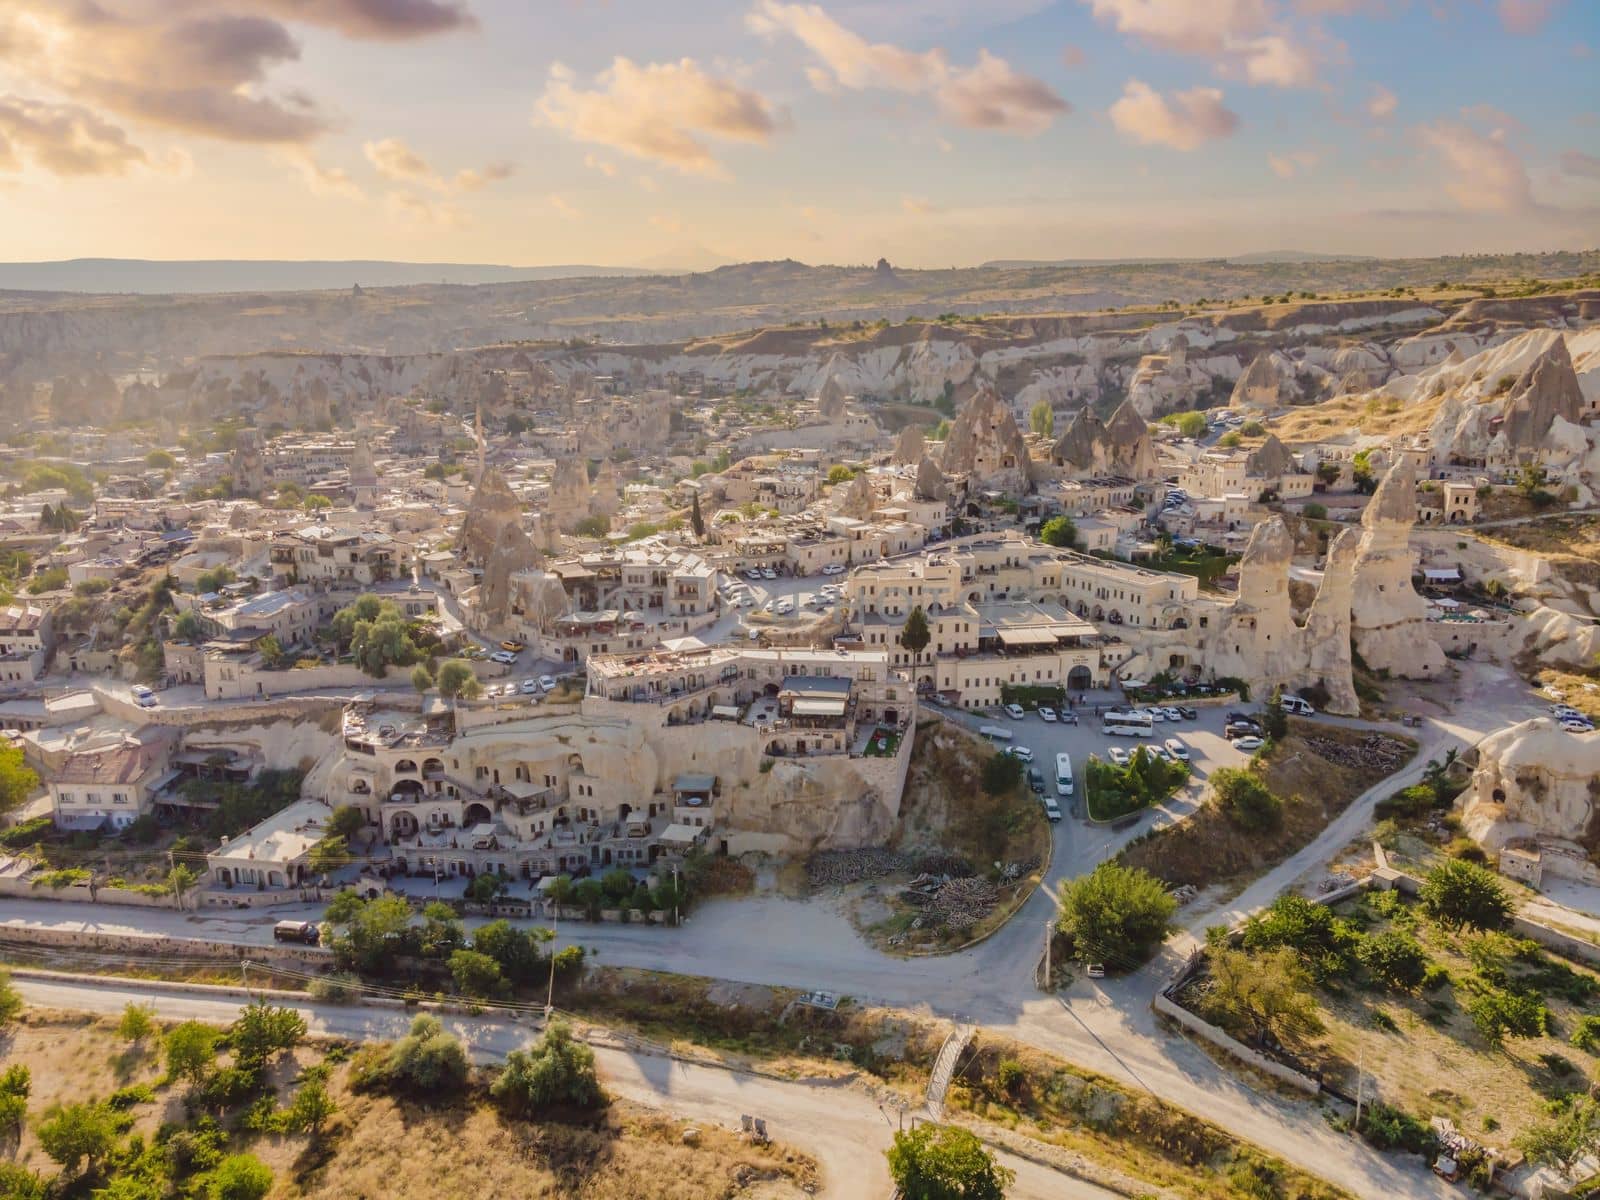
column 684, row 835
column 694, row 783
column 1027, row 636
column 819, row 706
column 1442, row 574
column 725, row 712
column 164, row 780
column 521, row 789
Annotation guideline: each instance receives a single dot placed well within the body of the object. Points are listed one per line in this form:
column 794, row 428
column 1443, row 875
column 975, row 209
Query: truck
column 304, row 932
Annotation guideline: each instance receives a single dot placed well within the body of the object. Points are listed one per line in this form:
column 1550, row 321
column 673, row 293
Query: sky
column 658, row 133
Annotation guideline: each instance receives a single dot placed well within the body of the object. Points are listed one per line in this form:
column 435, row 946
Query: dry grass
column 1434, row 1062
column 1362, row 413
column 945, row 809
column 1209, row 848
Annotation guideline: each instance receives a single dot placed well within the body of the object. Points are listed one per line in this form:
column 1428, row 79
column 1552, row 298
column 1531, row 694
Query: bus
column 1126, row 723
column 1063, row 774
column 995, row 733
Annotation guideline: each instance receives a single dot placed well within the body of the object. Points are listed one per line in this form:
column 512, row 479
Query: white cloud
column 1526, row 16
column 990, row 94
column 917, row 206
column 396, row 161
column 1576, row 162
column 64, row 139
column 563, row 207
column 1296, row 162
column 595, row 163
column 1183, row 121
column 1482, row 173
column 662, row 112
column 323, row 181
column 469, row 180
column 1252, row 40
column 1382, row 103
column 420, row 212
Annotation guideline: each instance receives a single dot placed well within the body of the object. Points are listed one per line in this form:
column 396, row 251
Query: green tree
column 1042, row 419
column 421, row 678
column 456, row 678
column 1566, row 1140
column 1315, row 511
column 1394, row 958
column 186, row 626
column 239, row 1177
column 516, row 950
column 477, row 974
column 346, row 821
column 1498, row 1013
column 180, row 879
column 376, row 633
column 945, row 1162
column 1531, row 479
column 329, row 854
column 191, row 1051
column 138, row 1022
column 839, row 473
column 77, row 1135
column 1324, row 942
column 696, row 521
column 312, row 1106
column 1059, row 531
column 914, row 635
column 1461, row 894
column 263, row 1030
column 19, row 1183
column 442, row 930
column 558, row 1070
column 1190, row 423
column 373, row 933
column 16, row 1083
column 10, row 1000
column 1261, row 995
column 215, row 579
column 1115, row 914
column 426, row 1062
column 271, row 651
column 316, row 502
column 1002, row 773
column 1247, row 801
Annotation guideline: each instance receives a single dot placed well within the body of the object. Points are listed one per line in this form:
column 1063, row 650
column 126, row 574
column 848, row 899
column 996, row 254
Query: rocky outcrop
column 1544, row 393
column 1389, row 618
column 1270, row 460
column 986, row 446
column 493, row 506
column 1167, row 383
column 855, row 500
column 930, row 483
column 909, row 447
column 512, row 552
column 1267, row 383
column 1535, row 780
column 1326, row 633
column 570, row 494
column 1120, row 446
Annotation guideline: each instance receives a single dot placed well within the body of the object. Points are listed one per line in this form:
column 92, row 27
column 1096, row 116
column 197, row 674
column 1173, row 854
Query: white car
column 1052, row 810
column 1159, row 752
column 1171, row 713
column 145, row 698
column 1177, row 749
column 746, row 601
column 1014, row 711
column 504, row 657
column 833, row 569
column 769, row 573
column 1248, row 742
column 1119, row 756
column 1577, row 725
column 753, row 574
column 1046, row 713
column 1157, row 714
column 1022, row 752
column 783, row 607
column 528, row 686
column 547, row 683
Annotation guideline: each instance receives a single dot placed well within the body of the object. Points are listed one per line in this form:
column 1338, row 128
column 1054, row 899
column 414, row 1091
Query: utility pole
column 1049, row 936
column 550, row 993
column 674, row 895
column 1361, row 1065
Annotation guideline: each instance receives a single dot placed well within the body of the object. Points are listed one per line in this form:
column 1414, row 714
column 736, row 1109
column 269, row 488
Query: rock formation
column 249, row 471
column 909, row 446
column 1389, row 619
column 1121, row 446
column 1535, row 779
column 855, row 499
column 986, row 446
column 931, row 483
column 493, row 506
column 831, row 395
column 1270, row 460
column 1267, row 383
column 569, row 493
column 1256, row 637
column 512, row 552
column 1544, row 393
column 1165, row 383
column 605, row 494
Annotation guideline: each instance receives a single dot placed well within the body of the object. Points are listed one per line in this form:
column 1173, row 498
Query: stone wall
column 1236, row 1049
column 23, row 889
column 162, row 945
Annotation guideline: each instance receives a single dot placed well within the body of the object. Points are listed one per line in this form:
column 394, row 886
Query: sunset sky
column 663, row 133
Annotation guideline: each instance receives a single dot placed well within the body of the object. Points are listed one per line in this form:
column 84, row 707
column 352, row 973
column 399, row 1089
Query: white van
column 1063, row 774
column 995, row 733
column 1301, row 708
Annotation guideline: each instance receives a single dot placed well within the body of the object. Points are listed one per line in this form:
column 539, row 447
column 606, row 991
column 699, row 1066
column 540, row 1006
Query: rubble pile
column 1373, row 752
column 957, row 902
column 837, row 867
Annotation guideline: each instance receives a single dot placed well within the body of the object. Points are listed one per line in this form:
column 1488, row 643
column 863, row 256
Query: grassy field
column 1210, row 848
column 378, row 1147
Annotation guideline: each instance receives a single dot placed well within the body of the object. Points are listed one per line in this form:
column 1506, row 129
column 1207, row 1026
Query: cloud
column 396, row 161
column 200, row 67
column 64, row 139
column 1382, row 103
column 1185, row 121
column 990, row 94
column 1526, row 16
column 1296, row 162
column 1252, row 40
column 564, row 208
column 419, row 211
column 917, row 206
column 1576, row 162
column 1482, row 173
column 323, row 181
column 662, row 112
column 609, row 170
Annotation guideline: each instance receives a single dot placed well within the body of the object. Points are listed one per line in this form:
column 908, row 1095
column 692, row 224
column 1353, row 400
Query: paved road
column 1106, row 1025
column 840, row 1124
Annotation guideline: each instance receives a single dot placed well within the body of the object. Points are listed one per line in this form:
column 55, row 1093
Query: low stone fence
column 136, row 946
column 1229, row 1045
column 244, row 897
column 1564, row 944
column 23, row 889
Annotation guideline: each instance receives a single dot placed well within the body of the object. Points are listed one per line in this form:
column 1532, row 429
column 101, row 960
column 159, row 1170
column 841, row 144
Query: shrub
column 10, row 1000
column 239, row 1177
column 191, row 1049
column 1498, row 1013
column 1002, row 774
column 557, row 1071
column 945, row 1162
column 1115, row 914
column 18, row 1183
column 426, row 1062
column 1009, row 1076
column 1247, row 801
column 1390, row 1128
column 1325, row 943
column 78, row 1135
column 1464, row 895
column 477, row 974
column 1586, row 1034
column 1394, row 959
column 263, row 1030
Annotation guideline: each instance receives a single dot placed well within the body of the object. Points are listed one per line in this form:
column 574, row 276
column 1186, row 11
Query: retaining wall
column 1237, row 1049
column 23, row 889
column 135, row 946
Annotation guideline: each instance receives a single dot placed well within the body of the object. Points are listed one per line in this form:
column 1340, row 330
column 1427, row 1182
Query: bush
column 78, row 1135
column 1395, row 959
column 263, row 1030
column 239, row 1177
column 1116, row 915
column 10, row 1000
column 17, row 1183
column 1002, row 774
column 137, row 1023
column 1461, row 894
column 1009, row 1076
column 477, row 975
column 557, row 1071
column 1325, row 943
column 1389, row 1128
column 1248, row 802
column 191, row 1050
column 426, row 1062
column 1586, row 1034
column 1498, row 1013
column 945, row 1162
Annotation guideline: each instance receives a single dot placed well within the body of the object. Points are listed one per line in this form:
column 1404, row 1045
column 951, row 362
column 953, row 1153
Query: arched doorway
column 476, row 814
column 1080, row 679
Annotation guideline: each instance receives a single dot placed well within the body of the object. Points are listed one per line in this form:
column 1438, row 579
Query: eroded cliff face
column 986, row 446
column 1388, row 617
column 1535, row 779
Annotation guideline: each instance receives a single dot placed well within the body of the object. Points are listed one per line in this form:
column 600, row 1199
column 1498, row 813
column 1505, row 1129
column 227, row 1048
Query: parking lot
column 784, row 598
column 1080, row 843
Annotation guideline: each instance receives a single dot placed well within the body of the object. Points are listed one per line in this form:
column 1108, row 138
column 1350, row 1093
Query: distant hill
column 157, row 277
column 1259, row 258
column 1296, row 256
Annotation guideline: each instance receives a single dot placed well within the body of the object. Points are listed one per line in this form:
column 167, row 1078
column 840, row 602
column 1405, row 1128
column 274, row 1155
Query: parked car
column 1014, row 711
column 1119, row 756
column 1248, row 742
column 515, row 647
column 305, row 932
column 1052, row 810
column 1160, row 752
column 148, row 700
column 1171, row 713
column 1036, row 781
column 1022, row 752
column 1046, row 713
column 1095, row 970
column 1238, row 729
column 1295, row 704
column 769, row 573
column 1177, row 749
column 547, row 683
column 753, row 574
column 1577, row 725
column 833, row 569
column 1188, row 713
